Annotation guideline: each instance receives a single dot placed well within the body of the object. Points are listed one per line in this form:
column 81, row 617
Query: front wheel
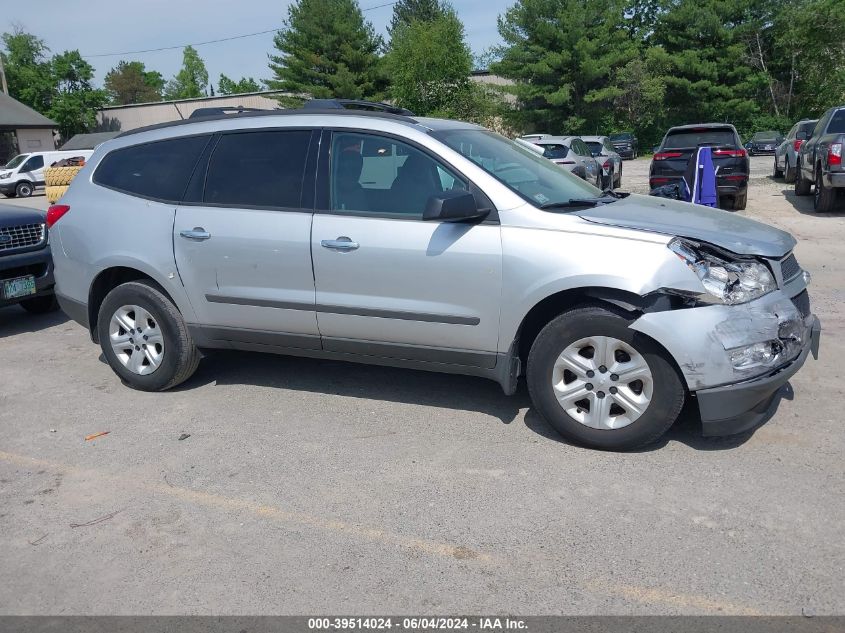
column 600, row 383
column 23, row 190
column 144, row 338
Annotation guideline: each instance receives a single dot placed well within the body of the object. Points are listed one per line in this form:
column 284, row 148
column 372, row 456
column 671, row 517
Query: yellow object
column 58, row 176
column 54, row 193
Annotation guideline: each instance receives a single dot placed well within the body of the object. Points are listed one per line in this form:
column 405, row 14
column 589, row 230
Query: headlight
column 726, row 281
column 5, row 174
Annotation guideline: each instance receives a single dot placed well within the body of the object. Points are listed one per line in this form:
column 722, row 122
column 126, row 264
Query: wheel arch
column 107, row 280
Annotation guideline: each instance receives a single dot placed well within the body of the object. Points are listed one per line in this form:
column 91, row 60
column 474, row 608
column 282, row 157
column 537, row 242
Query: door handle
column 197, row 233
column 342, row 243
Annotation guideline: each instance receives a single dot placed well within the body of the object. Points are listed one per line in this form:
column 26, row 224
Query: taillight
column 834, row 154
column 658, row 181
column 732, row 153
column 606, row 164
column 797, row 143
column 666, row 155
column 55, row 212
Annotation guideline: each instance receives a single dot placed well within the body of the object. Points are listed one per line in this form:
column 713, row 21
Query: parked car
column 24, row 174
column 729, row 158
column 626, row 144
column 820, row 161
column 429, row 244
column 26, row 268
column 608, row 158
column 573, row 154
column 786, row 154
column 764, row 142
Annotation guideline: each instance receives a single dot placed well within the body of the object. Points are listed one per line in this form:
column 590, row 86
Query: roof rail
column 200, row 112
column 355, row 104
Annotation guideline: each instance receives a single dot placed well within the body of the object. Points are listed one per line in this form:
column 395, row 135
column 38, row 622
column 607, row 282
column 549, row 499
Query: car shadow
column 407, row 386
column 15, row 320
column 804, row 204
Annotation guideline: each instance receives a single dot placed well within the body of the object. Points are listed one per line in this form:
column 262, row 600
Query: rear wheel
column 619, row 176
column 24, row 190
column 824, row 199
column 144, row 338
column 740, row 201
column 40, row 305
column 776, row 171
column 600, row 383
column 802, row 187
column 789, row 172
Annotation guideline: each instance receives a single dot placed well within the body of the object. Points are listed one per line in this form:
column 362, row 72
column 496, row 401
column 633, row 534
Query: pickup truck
column 820, row 161
column 26, row 265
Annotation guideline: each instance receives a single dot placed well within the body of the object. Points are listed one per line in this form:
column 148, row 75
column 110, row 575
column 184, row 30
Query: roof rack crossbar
column 355, row 104
column 201, row 112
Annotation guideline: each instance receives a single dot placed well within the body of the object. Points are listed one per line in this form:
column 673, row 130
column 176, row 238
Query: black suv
column 729, row 158
column 625, row 144
column 26, row 267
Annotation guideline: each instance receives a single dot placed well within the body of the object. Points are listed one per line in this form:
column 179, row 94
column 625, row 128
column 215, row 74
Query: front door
column 390, row 284
column 243, row 248
column 33, row 170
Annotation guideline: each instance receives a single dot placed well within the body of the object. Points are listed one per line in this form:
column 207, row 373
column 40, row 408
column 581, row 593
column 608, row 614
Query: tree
column 226, row 86
column 562, row 54
column 191, row 81
column 326, row 50
column 429, row 64
column 75, row 101
column 131, row 82
column 28, row 71
column 407, row 11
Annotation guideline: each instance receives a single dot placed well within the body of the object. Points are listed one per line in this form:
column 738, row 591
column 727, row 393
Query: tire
column 824, row 199
column 619, row 177
column 740, row 202
column 55, row 192
column 776, row 173
column 789, row 173
column 24, row 189
column 40, row 305
column 802, row 187
column 179, row 356
column 60, row 176
column 572, row 328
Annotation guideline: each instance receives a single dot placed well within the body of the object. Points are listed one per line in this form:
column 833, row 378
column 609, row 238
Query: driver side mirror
column 453, row 206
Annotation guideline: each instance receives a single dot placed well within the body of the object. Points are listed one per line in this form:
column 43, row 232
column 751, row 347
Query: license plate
column 18, row 287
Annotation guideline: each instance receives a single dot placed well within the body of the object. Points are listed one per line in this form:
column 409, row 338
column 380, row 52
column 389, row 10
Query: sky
column 97, row 27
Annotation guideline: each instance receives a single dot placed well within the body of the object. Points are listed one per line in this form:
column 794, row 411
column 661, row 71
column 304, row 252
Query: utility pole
column 3, row 76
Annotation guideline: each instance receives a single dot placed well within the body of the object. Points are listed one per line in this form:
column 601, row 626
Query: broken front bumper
column 702, row 339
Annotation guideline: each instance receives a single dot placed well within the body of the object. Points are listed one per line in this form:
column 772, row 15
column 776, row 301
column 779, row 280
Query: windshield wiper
column 579, row 202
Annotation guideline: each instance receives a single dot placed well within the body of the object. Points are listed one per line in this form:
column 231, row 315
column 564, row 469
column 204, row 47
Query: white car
column 24, row 174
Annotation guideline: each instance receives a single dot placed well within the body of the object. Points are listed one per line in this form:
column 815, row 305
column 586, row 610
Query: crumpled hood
column 724, row 229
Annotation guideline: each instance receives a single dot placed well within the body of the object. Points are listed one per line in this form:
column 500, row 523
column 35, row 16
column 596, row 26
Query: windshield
column 529, row 175
column 765, row 136
column 17, row 160
column 623, row 136
column 685, row 139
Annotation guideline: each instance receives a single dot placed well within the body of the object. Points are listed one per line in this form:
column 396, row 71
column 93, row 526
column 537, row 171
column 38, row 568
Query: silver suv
column 430, row 244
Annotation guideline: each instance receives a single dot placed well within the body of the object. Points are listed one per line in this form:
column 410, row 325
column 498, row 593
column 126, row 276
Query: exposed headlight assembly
column 725, row 281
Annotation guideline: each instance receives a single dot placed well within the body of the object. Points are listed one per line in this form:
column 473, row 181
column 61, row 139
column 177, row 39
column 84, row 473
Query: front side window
column 526, row 173
column 158, row 170
column 258, row 169
column 374, row 175
column 36, row 162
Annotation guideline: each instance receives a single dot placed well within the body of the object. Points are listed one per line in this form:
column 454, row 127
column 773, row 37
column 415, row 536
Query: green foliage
column 191, row 81
column 28, row 71
column 227, row 86
column 327, row 50
column 429, row 64
column 407, row 11
column 75, row 100
column 131, row 82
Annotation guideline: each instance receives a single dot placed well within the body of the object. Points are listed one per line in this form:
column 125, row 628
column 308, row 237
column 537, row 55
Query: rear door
column 242, row 241
column 389, row 283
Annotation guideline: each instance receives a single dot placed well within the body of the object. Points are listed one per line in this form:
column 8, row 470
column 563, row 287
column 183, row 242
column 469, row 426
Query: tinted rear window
column 258, row 169
column 595, row 147
column 837, row 123
column 683, row 139
column 807, row 126
column 555, row 151
column 157, row 170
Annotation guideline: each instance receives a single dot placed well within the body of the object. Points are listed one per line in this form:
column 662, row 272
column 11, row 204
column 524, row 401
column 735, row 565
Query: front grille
column 802, row 303
column 789, row 268
column 21, row 236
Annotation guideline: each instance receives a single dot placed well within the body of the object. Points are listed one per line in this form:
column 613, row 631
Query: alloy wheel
column 136, row 339
column 602, row 382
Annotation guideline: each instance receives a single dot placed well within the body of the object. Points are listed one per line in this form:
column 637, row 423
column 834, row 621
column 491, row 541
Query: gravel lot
column 312, row 487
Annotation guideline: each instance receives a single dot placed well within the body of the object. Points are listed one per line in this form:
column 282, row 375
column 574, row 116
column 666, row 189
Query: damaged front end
column 741, row 338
